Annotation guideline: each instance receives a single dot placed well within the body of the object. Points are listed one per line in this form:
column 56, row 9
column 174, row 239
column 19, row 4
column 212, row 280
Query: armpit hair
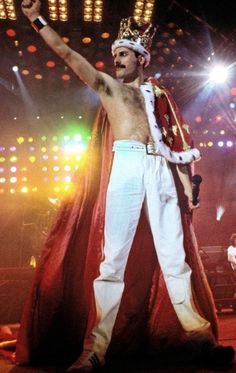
column 100, row 84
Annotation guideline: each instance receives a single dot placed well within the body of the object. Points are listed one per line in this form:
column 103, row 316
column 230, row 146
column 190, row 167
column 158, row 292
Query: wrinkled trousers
column 139, row 178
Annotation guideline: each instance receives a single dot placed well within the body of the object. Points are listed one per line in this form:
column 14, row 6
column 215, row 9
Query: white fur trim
column 132, row 45
column 186, row 156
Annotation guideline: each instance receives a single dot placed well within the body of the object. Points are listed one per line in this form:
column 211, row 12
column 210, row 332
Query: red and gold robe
column 55, row 316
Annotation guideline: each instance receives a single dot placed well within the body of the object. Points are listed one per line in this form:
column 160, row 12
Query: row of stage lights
column 47, row 164
column 92, row 10
column 219, row 144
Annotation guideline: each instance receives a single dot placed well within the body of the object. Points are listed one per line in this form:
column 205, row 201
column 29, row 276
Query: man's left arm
column 184, row 174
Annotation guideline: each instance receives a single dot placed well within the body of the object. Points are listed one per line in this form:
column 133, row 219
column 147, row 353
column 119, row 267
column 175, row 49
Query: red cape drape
column 55, row 316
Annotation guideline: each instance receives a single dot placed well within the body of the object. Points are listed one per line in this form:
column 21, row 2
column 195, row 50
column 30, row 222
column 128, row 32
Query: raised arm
column 86, row 72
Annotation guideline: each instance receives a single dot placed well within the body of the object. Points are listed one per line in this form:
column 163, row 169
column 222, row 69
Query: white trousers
column 138, row 178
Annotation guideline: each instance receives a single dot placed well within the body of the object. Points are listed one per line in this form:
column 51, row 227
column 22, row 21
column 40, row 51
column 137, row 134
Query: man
column 140, row 175
column 231, row 251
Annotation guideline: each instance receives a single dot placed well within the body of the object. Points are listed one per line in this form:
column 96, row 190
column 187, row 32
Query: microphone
column 196, row 181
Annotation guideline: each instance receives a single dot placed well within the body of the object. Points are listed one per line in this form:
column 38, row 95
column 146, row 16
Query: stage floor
column 227, row 331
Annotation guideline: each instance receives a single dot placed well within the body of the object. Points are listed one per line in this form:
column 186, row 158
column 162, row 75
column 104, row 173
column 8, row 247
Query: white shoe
column 87, row 362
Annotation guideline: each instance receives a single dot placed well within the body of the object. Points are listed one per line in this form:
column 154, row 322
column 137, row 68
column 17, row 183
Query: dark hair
column 137, row 54
column 232, row 238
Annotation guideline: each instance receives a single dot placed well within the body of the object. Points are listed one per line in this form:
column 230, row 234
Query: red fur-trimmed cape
column 55, row 316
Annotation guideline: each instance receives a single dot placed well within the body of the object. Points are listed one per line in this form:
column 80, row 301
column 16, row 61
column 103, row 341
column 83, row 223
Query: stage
column 227, row 330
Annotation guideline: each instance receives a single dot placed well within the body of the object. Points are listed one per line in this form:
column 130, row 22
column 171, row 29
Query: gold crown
column 137, row 31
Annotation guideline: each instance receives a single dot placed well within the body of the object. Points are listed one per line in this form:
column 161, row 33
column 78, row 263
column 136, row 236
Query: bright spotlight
column 219, row 74
column 15, row 68
column 219, row 212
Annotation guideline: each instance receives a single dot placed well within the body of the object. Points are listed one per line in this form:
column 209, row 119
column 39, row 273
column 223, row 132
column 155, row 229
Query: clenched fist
column 31, row 8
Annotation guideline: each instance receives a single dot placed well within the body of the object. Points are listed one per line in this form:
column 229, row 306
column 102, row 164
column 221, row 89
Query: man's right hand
column 31, row 9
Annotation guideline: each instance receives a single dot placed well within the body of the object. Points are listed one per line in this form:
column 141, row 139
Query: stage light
column 221, row 144
column 65, row 77
column 20, row 140
column 105, row 35
column 229, row 143
column 25, row 189
column 56, row 189
column 158, row 75
column 67, row 168
column 25, row 72
column 198, row 119
column 11, row 33
column 55, row 148
column 15, row 68
column 8, row 10
column 31, row 48
column 99, row 65
column 68, row 179
column 65, row 39
column 233, row 91
column 54, row 201
column 219, row 74
column 86, row 40
column 218, row 118
column 32, row 159
column 219, row 212
column 232, row 105
column 50, row 64
column 77, row 137
column 38, row 76
column 13, row 159
column 210, row 144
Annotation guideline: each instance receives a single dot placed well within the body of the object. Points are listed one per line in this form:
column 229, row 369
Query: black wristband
column 39, row 23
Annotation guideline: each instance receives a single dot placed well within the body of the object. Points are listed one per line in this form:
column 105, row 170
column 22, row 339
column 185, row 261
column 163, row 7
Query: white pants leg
column 134, row 176
column 125, row 196
column 166, row 226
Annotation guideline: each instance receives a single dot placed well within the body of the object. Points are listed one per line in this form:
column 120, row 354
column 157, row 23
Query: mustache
column 120, row 65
